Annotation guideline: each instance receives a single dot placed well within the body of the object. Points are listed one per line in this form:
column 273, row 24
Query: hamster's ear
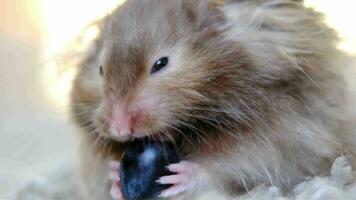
column 206, row 16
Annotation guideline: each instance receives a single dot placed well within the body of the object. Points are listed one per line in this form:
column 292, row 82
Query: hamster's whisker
column 175, row 128
column 201, row 135
column 83, row 114
column 169, row 136
column 84, row 103
column 180, row 133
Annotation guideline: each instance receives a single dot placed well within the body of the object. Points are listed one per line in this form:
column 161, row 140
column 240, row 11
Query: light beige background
column 35, row 133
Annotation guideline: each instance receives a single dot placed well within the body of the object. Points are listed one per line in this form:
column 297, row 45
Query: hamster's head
column 155, row 65
column 162, row 67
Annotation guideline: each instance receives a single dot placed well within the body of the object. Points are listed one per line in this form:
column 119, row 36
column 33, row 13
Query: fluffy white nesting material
column 339, row 185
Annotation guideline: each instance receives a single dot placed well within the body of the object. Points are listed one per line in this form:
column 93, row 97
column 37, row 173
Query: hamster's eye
column 101, row 70
column 159, row 64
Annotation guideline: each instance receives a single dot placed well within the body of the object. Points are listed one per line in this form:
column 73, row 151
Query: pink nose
column 124, row 125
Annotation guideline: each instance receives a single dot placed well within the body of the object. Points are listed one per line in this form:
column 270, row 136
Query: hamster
column 251, row 92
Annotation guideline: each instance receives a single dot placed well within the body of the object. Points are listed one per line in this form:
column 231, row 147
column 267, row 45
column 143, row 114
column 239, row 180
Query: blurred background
column 35, row 132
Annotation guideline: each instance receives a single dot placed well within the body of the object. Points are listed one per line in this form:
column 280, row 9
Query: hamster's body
column 253, row 93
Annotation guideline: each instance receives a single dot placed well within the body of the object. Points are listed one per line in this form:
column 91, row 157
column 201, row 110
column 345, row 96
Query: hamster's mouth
column 159, row 136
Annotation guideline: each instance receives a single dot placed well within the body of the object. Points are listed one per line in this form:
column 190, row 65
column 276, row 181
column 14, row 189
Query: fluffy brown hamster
column 250, row 90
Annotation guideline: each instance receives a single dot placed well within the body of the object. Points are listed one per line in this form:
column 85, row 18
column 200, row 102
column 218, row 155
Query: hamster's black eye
column 159, row 64
column 101, row 70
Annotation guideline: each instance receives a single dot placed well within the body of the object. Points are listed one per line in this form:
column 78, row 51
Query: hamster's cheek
column 157, row 110
column 100, row 121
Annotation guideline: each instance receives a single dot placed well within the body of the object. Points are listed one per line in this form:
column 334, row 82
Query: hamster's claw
column 116, row 192
column 115, row 178
column 181, row 182
column 114, row 165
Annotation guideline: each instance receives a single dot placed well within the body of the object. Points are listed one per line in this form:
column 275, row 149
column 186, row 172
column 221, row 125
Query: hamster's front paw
column 184, row 181
column 115, row 180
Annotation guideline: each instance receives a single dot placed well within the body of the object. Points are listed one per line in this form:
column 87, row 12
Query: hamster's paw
column 115, row 180
column 183, row 181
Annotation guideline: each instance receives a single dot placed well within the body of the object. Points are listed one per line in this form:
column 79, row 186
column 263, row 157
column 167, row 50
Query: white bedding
column 340, row 184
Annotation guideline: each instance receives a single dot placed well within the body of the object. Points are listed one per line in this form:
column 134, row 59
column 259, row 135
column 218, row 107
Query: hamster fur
column 253, row 92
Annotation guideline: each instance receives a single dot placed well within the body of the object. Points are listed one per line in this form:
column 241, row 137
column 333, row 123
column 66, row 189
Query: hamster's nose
column 125, row 125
